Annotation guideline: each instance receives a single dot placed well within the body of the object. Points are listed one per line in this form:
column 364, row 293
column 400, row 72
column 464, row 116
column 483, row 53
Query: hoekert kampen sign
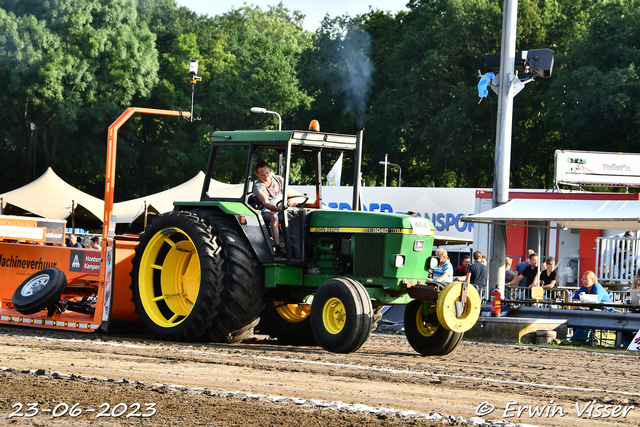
column 596, row 167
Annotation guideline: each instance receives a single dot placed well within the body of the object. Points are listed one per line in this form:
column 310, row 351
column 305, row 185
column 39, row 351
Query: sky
column 314, row 10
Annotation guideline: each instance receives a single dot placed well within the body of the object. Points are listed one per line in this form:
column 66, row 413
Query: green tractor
column 210, row 270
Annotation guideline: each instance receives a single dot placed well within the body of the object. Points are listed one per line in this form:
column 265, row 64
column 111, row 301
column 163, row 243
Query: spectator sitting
column 444, row 271
column 548, row 277
column 462, row 270
column 73, row 242
column 591, row 286
column 95, row 242
column 530, row 273
column 477, row 274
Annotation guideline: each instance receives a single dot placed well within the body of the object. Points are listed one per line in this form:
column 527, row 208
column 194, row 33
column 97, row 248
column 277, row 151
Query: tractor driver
column 269, row 192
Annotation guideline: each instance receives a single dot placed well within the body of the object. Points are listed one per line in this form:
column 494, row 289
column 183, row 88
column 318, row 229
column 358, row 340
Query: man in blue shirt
column 73, row 242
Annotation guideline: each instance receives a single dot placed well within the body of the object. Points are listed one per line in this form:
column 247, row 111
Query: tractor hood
column 342, row 221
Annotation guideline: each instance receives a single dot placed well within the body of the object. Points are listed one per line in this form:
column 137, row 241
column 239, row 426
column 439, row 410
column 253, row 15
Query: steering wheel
column 299, row 196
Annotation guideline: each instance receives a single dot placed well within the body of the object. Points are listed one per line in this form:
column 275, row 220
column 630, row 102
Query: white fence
column 616, row 259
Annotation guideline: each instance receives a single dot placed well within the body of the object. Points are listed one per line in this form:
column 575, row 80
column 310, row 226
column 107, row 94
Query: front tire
column 175, row 278
column 341, row 315
column 39, row 291
column 427, row 336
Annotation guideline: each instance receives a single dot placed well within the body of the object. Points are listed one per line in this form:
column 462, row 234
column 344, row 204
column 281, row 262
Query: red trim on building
column 588, row 250
column 487, row 194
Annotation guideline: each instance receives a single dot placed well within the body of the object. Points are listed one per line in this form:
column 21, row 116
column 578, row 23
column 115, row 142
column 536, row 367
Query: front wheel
column 424, row 333
column 341, row 315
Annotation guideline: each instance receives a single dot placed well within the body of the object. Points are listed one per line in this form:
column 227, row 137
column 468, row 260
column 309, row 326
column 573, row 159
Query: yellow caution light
column 314, row 125
column 243, row 220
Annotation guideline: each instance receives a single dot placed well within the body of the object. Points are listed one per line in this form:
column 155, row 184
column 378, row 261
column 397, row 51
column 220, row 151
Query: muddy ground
column 121, row 378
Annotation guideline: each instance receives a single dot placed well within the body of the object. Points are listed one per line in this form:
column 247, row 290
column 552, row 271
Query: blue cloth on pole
column 483, row 84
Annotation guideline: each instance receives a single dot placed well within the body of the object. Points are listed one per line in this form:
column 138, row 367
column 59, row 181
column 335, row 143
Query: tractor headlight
column 398, row 261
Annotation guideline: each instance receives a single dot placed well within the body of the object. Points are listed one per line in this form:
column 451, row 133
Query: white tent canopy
column 131, row 210
column 594, row 214
column 128, row 211
column 51, row 197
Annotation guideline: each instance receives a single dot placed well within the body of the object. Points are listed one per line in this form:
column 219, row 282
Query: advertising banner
column 443, row 206
column 595, row 167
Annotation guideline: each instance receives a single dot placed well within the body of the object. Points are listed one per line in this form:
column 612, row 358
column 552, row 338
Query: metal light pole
column 385, row 163
column 34, row 129
column 260, row 110
column 506, row 93
column 193, row 79
column 386, row 156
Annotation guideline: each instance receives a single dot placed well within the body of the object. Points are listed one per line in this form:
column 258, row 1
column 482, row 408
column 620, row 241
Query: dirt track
column 260, row 383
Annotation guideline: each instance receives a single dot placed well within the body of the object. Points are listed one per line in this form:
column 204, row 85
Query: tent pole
column 145, row 214
column 73, row 216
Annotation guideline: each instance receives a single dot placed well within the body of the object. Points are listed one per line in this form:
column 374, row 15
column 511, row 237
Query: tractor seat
column 255, row 203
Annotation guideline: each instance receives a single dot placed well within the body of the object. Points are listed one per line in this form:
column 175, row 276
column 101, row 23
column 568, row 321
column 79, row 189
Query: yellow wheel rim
column 446, row 312
column 425, row 327
column 334, row 316
column 293, row 313
column 169, row 277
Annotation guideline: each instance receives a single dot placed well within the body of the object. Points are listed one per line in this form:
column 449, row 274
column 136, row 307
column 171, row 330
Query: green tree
column 596, row 91
column 266, row 46
column 425, row 113
column 68, row 66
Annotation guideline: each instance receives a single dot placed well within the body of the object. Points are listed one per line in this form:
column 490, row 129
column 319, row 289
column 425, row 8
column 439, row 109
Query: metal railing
column 616, row 259
column 565, row 295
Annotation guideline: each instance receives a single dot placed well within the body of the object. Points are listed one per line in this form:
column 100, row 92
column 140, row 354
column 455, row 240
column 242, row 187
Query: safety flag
column 333, row 177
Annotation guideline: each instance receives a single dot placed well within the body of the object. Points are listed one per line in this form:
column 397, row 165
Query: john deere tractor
column 209, row 269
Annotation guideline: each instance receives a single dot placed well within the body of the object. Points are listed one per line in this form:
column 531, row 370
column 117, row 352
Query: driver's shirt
column 273, row 191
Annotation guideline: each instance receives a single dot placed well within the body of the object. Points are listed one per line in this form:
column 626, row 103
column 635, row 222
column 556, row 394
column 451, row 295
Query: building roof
column 594, row 214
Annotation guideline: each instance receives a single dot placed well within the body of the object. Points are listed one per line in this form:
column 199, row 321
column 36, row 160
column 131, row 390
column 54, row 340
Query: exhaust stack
column 357, row 200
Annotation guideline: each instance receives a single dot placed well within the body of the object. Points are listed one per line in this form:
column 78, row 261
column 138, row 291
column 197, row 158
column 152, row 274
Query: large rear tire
column 39, row 291
column 176, row 280
column 341, row 315
column 242, row 279
column 427, row 336
column 290, row 324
